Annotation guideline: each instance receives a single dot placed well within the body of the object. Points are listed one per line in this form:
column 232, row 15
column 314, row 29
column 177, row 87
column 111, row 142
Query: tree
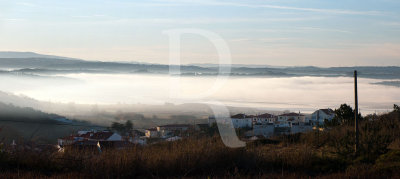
column 343, row 116
column 117, row 127
column 396, row 108
column 128, row 126
column 122, row 128
column 333, row 122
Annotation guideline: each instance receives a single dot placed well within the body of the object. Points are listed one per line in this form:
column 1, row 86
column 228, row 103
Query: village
column 253, row 127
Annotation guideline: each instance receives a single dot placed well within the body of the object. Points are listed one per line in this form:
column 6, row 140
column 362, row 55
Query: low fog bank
column 25, row 118
column 142, row 115
column 139, row 91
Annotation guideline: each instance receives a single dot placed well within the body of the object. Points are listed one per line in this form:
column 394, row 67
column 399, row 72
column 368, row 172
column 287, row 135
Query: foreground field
column 317, row 154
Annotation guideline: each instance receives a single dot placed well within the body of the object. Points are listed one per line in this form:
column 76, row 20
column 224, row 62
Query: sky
column 269, row 32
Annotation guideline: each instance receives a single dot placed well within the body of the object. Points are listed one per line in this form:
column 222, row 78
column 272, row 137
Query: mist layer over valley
column 103, row 92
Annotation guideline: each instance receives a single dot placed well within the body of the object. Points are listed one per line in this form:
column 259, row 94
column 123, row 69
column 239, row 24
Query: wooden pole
column 356, row 112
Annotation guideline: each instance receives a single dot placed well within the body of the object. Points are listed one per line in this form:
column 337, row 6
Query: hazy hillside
column 30, row 124
column 10, row 112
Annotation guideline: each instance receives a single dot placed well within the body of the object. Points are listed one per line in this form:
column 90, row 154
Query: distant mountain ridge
column 11, row 54
column 44, row 65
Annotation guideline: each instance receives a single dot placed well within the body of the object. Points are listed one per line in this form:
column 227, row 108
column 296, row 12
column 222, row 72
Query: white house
column 151, row 133
column 264, row 119
column 319, row 116
column 169, row 130
column 289, row 119
column 242, row 121
column 67, row 140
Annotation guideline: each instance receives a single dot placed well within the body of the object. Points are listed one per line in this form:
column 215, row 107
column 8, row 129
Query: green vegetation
column 328, row 153
column 343, row 116
column 122, row 128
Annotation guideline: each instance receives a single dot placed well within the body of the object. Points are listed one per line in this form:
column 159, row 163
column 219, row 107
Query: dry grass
column 327, row 154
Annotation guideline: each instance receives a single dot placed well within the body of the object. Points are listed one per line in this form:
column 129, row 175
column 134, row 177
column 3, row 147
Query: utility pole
column 318, row 127
column 356, row 111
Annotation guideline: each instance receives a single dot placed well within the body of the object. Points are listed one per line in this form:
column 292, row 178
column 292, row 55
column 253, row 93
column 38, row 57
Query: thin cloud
column 323, row 29
column 330, row 11
column 13, row 19
column 193, row 21
column 396, row 24
column 90, row 16
column 26, row 4
column 291, row 30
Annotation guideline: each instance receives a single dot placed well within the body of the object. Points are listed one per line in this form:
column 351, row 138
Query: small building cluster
column 109, row 139
column 254, row 126
column 94, row 139
column 268, row 125
column 168, row 131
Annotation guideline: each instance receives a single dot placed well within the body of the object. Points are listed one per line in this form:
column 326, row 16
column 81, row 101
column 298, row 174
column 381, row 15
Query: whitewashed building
column 319, row 116
column 242, row 121
column 289, row 119
column 170, row 130
column 264, row 119
column 151, row 133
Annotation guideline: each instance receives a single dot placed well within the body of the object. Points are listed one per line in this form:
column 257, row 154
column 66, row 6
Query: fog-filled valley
column 104, row 92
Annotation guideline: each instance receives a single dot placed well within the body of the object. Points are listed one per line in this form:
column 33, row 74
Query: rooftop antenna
column 356, row 111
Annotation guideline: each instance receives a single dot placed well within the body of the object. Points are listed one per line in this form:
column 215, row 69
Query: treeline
column 122, row 128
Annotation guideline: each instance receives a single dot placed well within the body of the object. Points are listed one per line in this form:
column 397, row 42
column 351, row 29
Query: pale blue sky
column 270, row 32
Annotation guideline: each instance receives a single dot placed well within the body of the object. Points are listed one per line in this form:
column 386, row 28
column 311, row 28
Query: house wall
column 242, row 123
column 322, row 117
column 263, row 120
column 296, row 118
column 151, row 134
column 300, row 128
column 266, row 131
column 165, row 133
column 282, row 124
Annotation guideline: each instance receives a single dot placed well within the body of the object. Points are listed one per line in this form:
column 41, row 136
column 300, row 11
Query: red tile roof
column 266, row 115
column 103, row 135
column 291, row 114
column 241, row 116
